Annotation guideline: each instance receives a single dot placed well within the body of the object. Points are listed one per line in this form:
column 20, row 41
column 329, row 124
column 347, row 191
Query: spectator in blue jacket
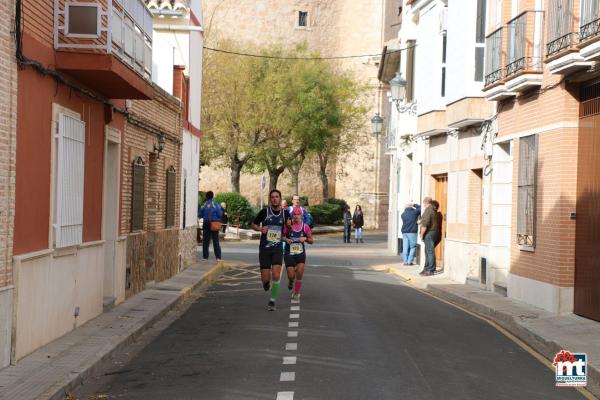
column 210, row 212
column 410, row 229
column 306, row 217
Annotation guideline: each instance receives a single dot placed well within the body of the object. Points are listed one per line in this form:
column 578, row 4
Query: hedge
column 237, row 205
column 326, row 214
column 340, row 202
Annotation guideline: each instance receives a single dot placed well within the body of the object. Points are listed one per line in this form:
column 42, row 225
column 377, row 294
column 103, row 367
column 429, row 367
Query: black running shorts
column 293, row 260
column 270, row 256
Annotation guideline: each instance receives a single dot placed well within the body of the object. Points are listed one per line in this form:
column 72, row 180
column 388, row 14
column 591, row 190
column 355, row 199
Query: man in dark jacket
column 429, row 234
column 410, row 229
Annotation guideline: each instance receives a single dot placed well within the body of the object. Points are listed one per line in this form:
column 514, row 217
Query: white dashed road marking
column 293, row 325
column 293, row 334
column 285, row 395
column 289, row 360
column 295, row 308
column 294, row 316
column 287, row 377
column 291, row 346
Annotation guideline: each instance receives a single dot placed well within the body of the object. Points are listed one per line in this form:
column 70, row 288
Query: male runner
column 270, row 222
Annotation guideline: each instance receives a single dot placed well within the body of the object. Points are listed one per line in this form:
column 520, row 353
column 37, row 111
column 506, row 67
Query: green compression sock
column 274, row 290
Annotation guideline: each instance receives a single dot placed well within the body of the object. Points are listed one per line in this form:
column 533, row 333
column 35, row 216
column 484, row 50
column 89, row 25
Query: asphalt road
column 356, row 334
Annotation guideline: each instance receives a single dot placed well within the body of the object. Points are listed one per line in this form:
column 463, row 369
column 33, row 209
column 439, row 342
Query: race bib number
column 274, row 234
column 296, row 248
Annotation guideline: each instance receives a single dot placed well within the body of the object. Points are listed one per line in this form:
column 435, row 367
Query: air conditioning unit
column 83, row 20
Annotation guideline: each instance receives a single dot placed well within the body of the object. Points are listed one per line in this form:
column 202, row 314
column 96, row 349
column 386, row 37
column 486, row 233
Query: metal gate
column 587, row 249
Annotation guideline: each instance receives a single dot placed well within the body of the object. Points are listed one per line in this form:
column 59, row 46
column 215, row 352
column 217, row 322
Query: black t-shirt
column 275, row 219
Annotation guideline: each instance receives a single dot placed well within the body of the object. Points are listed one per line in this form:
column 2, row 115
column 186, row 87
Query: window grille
column 137, row 194
column 527, row 191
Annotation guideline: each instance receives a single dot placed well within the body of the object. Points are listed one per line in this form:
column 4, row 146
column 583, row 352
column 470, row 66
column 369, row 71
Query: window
column 137, row 194
column 527, row 197
column 70, row 163
column 560, row 26
column 303, row 18
column 410, row 70
column 82, row 20
column 493, row 69
column 480, row 40
column 170, row 212
column 444, row 43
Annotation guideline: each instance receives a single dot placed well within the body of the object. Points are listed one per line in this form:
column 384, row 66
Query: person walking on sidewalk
column 270, row 222
column 224, row 218
column 428, row 234
column 347, row 224
column 211, row 214
column 410, row 229
column 359, row 221
column 295, row 252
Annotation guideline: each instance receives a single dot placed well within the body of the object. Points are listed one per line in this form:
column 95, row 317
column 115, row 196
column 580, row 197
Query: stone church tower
column 334, row 28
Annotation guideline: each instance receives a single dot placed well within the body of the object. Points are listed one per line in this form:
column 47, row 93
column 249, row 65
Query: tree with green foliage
column 231, row 126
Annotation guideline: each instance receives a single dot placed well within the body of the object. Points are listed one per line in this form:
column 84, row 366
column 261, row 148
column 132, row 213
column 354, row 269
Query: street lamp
column 398, row 89
column 377, row 125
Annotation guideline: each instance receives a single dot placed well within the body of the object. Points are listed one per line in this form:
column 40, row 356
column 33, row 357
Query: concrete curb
column 547, row 348
column 61, row 389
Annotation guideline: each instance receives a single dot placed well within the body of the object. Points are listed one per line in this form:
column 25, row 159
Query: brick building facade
column 542, row 77
column 8, row 121
column 152, row 248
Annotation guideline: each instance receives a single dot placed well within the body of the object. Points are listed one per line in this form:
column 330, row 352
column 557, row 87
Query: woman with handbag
column 211, row 214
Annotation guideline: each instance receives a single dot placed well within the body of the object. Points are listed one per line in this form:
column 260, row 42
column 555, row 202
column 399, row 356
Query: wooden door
column 441, row 195
column 587, row 234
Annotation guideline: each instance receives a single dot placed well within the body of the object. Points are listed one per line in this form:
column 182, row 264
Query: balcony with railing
column 562, row 52
column 524, row 68
column 589, row 30
column 106, row 45
column 494, row 87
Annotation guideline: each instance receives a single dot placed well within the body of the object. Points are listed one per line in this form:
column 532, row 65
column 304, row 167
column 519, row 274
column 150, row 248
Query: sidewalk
column 545, row 332
column 53, row 370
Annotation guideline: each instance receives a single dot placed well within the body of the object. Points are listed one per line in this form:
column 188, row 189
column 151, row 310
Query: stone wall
column 333, row 30
column 162, row 253
column 135, row 272
column 188, row 247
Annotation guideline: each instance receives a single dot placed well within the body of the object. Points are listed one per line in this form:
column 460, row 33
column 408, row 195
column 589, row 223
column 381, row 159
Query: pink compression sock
column 297, row 285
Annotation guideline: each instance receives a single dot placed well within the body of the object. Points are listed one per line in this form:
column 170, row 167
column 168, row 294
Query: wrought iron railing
column 559, row 44
column 589, row 30
column 493, row 77
column 524, row 43
column 493, row 50
column 561, row 26
column 590, row 19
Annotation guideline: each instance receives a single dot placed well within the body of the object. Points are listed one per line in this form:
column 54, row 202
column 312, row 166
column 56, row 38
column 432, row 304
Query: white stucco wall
column 429, row 57
column 460, row 70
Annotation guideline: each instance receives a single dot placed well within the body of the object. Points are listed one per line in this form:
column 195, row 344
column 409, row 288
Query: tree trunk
column 295, row 180
column 235, row 177
column 274, row 178
column 323, row 160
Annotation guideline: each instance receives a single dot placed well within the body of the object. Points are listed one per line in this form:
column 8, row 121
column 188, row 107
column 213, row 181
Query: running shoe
column 296, row 296
column 271, row 306
column 267, row 285
column 290, row 284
